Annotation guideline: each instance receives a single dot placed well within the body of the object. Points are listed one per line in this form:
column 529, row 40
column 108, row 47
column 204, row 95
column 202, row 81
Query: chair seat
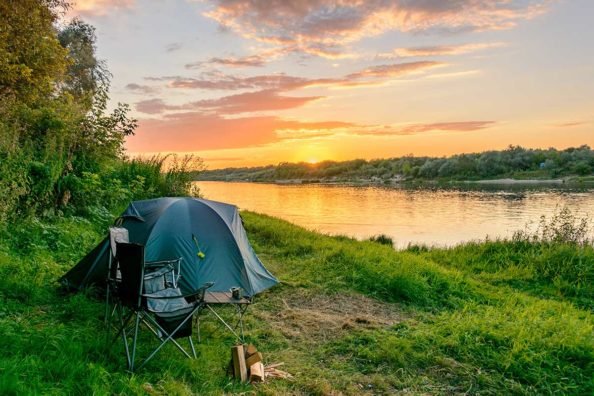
column 163, row 307
column 171, row 312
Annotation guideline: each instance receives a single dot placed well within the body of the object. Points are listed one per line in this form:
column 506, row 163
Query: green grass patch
column 353, row 317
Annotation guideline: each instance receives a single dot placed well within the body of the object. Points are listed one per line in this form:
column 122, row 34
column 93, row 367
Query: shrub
column 382, row 239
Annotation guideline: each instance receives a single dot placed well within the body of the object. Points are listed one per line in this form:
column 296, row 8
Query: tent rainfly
column 207, row 235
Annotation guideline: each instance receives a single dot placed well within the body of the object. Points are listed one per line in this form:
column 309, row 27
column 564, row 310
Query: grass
column 496, row 317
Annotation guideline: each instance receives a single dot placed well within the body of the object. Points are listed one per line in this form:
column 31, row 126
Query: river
column 421, row 216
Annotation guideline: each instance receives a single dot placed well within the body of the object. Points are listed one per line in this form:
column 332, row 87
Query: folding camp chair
column 168, row 270
column 165, row 312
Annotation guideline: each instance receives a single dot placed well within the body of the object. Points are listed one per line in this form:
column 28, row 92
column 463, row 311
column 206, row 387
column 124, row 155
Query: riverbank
column 572, row 181
column 351, row 317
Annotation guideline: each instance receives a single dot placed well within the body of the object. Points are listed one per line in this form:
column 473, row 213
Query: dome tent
column 207, row 235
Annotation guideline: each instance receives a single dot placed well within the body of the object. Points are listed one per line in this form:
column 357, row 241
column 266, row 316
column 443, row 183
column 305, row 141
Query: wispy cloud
column 154, row 106
column 282, row 82
column 256, row 60
column 570, row 124
column 326, row 27
column 173, row 47
column 100, row 7
column 393, row 70
column 246, row 61
column 141, row 89
column 385, row 130
column 457, row 126
column 439, row 50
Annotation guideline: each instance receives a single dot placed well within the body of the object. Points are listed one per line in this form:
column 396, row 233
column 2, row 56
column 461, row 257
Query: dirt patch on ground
column 302, row 314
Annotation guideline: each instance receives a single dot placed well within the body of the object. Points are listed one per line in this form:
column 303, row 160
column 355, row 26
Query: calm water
column 441, row 217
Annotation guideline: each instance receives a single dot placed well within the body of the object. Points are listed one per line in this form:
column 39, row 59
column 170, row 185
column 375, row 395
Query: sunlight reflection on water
column 433, row 217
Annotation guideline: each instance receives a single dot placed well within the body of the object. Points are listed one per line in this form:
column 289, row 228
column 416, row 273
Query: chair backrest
column 130, row 258
column 117, row 234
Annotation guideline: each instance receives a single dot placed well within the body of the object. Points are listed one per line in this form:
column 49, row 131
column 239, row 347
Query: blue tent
column 207, row 235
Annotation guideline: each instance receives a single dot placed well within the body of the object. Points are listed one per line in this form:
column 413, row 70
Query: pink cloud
column 326, row 27
column 257, row 60
column 249, row 102
column 253, row 101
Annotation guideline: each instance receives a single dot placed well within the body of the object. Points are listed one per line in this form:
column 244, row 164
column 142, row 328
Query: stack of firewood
column 246, row 365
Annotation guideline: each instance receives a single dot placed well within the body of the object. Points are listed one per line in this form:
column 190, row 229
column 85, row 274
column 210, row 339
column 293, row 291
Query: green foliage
column 515, row 162
column 382, row 239
column 31, row 57
column 562, row 227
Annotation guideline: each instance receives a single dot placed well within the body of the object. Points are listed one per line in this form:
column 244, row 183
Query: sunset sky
column 244, row 83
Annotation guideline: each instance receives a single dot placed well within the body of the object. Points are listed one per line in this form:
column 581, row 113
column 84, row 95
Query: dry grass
column 304, row 315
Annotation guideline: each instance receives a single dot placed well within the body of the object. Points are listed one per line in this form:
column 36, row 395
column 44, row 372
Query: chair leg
column 134, row 341
column 159, row 333
column 192, row 346
column 170, row 338
column 122, row 331
column 106, row 304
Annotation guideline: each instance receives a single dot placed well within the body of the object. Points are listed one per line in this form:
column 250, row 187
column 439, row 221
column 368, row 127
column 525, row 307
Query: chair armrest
column 201, row 290
column 161, row 263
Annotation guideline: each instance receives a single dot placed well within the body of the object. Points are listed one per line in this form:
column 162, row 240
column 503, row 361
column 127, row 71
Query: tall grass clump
column 562, row 227
column 382, row 239
column 555, row 258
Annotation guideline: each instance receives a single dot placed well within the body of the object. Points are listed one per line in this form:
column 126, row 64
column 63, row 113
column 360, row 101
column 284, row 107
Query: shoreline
column 569, row 181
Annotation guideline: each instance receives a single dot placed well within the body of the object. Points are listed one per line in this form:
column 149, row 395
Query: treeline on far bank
column 514, row 162
column 61, row 147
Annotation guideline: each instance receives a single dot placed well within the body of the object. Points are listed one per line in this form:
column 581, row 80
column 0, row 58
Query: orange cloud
column 326, row 27
column 394, row 70
column 197, row 131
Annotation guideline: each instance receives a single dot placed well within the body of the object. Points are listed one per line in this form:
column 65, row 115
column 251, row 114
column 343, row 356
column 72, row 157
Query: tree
column 31, row 57
column 87, row 78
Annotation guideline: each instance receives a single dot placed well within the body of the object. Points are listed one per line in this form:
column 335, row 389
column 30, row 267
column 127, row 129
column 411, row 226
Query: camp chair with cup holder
column 166, row 312
column 158, row 274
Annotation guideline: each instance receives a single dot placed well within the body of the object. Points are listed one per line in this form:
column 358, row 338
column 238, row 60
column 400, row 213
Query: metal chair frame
column 131, row 306
column 120, row 235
